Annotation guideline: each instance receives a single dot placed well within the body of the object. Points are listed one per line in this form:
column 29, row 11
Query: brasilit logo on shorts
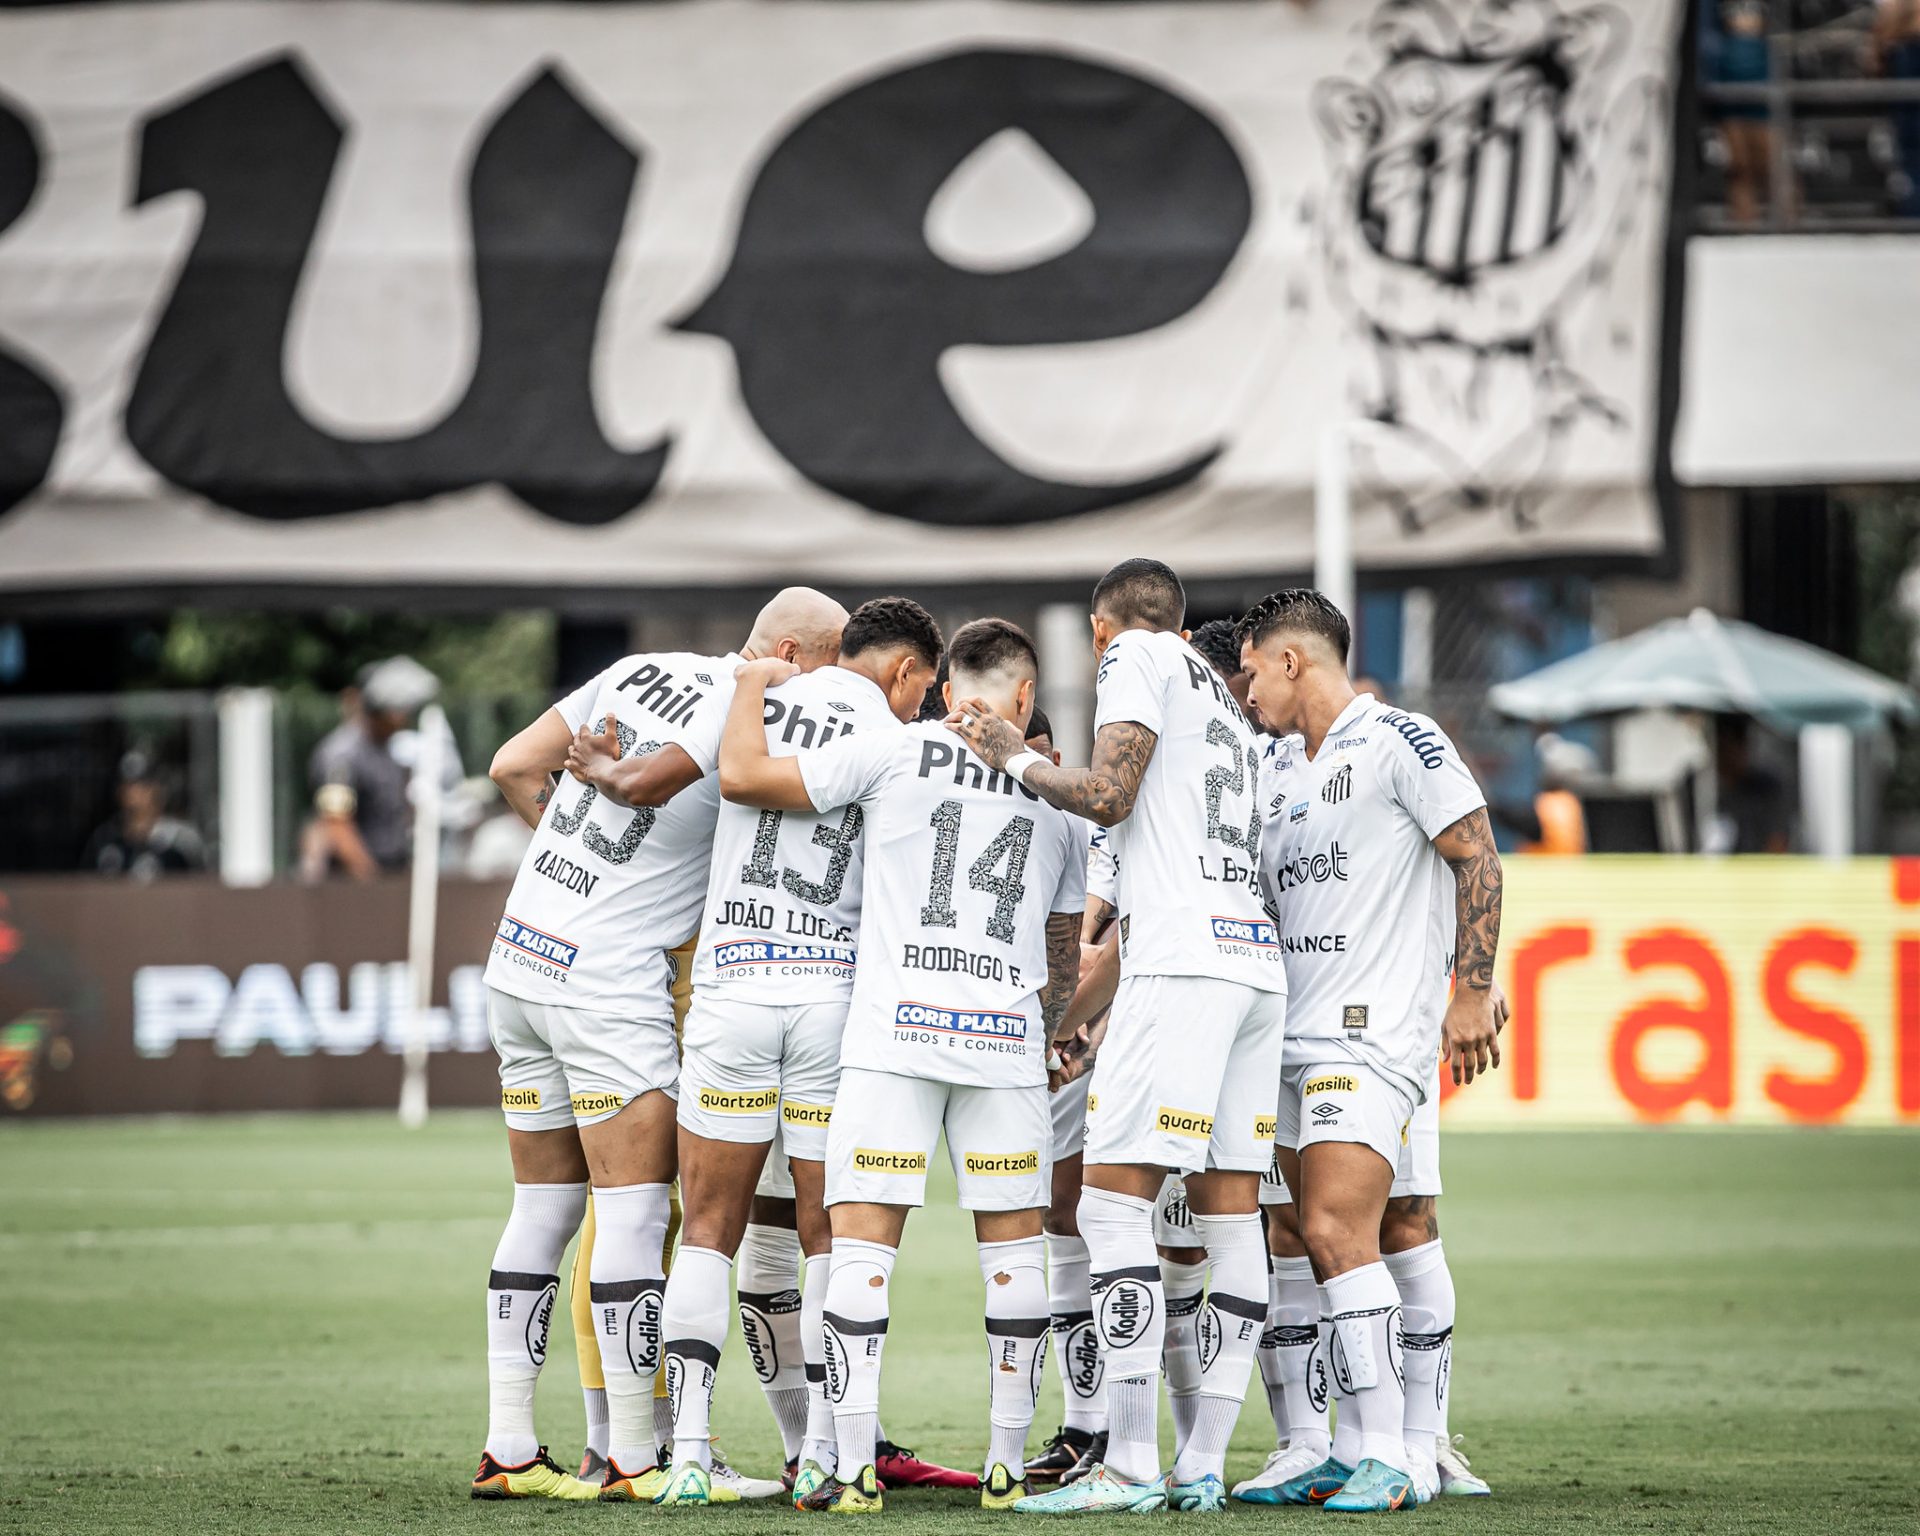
column 1001, row 1165
column 1336, row 1083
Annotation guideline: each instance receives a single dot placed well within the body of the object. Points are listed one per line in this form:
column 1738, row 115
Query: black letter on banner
column 838, row 310
column 210, row 409
column 30, row 408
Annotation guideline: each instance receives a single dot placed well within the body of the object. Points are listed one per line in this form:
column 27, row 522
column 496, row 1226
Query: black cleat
column 1061, row 1455
column 1091, row 1457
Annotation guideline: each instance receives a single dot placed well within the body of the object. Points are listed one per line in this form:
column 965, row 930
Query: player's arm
column 1063, row 972
column 646, row 778
column 1094, row 921
column 1471, row 1029
column 525, row 766
column 1103, row 793
column 1099, row 972
column 749, row 774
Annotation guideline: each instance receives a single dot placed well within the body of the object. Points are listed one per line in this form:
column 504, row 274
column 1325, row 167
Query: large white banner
column 494, row 295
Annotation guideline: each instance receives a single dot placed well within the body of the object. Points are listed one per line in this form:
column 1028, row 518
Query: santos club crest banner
column 495, row 295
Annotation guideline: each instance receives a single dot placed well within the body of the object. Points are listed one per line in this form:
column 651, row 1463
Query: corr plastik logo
column 879, row 1160
column 743, row 1101
column 1246, row 930
column 531, row 941
column 747, row 953
column 597, row 1103
column 1184, row 1122
column 1002, row 1165
column 519, row 1098
column 979, row 1023
column 795, row 1113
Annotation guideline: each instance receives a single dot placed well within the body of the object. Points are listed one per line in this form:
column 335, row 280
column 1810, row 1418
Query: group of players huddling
column 1180, row 1015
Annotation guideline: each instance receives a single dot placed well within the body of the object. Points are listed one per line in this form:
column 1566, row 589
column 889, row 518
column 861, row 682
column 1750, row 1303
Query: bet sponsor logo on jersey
column 737, row 1101
column 1001, row 1165
column 1311, row 869
column 964, row 1029
column 881, row 1160
column 528, row 946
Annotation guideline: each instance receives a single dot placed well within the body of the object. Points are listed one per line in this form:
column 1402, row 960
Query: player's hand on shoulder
column 995, row 740
column 592, row 752
column 1471, row 1033
column 768, row 672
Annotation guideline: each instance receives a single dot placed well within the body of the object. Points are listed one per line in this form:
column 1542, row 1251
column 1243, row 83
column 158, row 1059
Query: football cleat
column 1374, row 1489
column 730, row 1486
column 810, row 1477
column 593, row 1467
column 1090, row 1459
column 862, row 1496
column 687, row 1484
column 1099, row 1492
column 1205, row 1497
column 898, row 1467
column 1061, row 1455
column 788, row 1473
column 621, row 1487
column 1456, row 1477
column 1000, row 1489
column 540, row 1478
column 1286, row 1466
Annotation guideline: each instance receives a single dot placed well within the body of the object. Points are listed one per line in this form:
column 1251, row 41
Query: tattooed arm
column 525, row 766
column 1104, row 793
column 1471, row 1029
column 1063, row 972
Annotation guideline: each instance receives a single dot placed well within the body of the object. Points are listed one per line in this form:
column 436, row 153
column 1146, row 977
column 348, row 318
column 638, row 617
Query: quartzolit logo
column 539, row 1320
column 1126, row 1308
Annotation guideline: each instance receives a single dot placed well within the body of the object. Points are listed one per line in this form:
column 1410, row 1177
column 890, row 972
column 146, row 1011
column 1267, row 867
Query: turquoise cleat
column 1314, row 1486
column 1206, row 1497
column 1098, row 1493
column 1374, row 1489
column 688, row 1485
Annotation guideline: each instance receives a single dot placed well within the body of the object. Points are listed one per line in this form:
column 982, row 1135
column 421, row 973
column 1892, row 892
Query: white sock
column 626, row 1285
column 1365, row 1305
column 1130, row 1310
column 1301, row 1366
column 1426, row 1320
column 1345, row 1446
column 521, row 1287
column 1076, row 1344
column 856, row 1336
column 820, row 1444
column 1016, row 1278
column 693, row 1326
column 1235, row 1316
column 595, row 1399
column 770, row 1322
column 1180, row 1350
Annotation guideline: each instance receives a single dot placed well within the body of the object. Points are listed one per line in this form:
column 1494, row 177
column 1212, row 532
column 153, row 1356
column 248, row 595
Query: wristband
column 1018, row 764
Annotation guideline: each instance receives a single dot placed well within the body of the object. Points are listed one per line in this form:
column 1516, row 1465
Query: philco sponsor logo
column 519, row 1098
column 805, row 1114
column 531, row 941
column 1339, row 1083
column 1246, row 930
column 744, row 1101
column 1003, row 1164
column 1184, row 1122
column 1265, row 1127
column 597, row 1103
column 879, row 1160
column 980, row 1024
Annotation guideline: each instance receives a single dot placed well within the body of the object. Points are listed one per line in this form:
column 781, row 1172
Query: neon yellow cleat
column 541, row 1478
column 807, row 1480
column 622, row 1487
column 862, row 1496
column 1001, row 1489
column 687, row 1484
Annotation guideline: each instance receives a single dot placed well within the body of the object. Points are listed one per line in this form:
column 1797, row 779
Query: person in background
column 1556, row 819
column 1895, row 52
column 142, row 842
column 1734, row 51
column 362, row 818
column 1751, row 813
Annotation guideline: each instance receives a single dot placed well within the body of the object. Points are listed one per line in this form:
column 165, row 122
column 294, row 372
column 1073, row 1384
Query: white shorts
column 1273, row 1185
column 563, row 1066
column 1172, row 1221
column 886, row 1126
column 776, row 1178
column 1069, row 1110
column 749, row 1069
column 1188, row 1075
column 1419, row 1169
column 1341, row 1100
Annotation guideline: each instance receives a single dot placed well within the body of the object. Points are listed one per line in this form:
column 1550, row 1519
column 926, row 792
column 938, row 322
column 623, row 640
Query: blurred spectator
column 498, row 843
column 1752, row 813
column 1896, row 54
column 1734, row 51
column 142, row 842
column 1556, row 820
column 362, row 818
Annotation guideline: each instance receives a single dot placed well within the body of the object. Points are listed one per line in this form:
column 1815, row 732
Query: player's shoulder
column 1159, row 649
column 839, row 690
column 1386, row 730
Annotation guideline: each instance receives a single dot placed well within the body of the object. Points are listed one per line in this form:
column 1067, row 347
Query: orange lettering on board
column 1815, row 1098
column 1906, row 1010
column 1531, row 962
column 1711, row 1019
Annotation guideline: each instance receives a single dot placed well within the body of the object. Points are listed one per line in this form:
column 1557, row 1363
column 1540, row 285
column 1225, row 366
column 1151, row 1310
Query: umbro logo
column 845, row 709
column 701, row 677
column 1325, row 1111
column 1339, row 787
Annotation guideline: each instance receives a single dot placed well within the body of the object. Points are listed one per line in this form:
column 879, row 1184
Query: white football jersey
column 1364, row 901
column 783, row 898
column 963, row 865
column 1189, row 852
column 604, row 891
column 1103, row 875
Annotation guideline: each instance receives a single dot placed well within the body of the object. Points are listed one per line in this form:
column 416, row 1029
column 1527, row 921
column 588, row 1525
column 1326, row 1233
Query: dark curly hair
column 1298, row 610
column 885, row 622
column 1219, row 641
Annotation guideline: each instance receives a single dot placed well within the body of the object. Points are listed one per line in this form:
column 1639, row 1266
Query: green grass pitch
column 273, row 1324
